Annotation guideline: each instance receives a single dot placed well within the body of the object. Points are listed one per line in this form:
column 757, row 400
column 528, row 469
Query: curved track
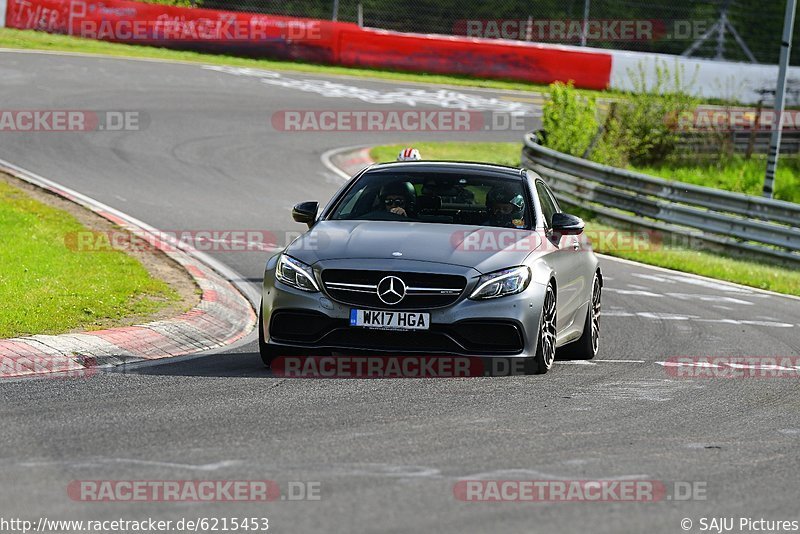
column 387, row 452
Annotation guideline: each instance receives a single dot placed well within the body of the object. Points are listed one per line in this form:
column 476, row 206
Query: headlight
column 296, row 274
column 502, row 283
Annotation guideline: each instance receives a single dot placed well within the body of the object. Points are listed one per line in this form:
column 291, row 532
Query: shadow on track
column 240, row 364
column 244, row 364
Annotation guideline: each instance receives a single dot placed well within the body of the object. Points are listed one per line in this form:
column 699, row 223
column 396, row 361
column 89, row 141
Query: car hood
column 484, row 249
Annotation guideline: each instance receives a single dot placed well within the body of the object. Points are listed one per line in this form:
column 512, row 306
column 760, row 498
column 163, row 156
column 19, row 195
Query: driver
column 396, row 201
column 506, row 208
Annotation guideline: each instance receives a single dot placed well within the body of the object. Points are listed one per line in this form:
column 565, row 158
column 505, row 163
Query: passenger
column 506, row 208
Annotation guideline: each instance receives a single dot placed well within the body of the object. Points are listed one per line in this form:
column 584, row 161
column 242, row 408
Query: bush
column 640, row 128
column 611, row 147
column 569, row 120
column 649, row 114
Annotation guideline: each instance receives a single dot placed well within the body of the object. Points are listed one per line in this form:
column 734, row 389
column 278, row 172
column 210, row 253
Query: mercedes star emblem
column 391, row 290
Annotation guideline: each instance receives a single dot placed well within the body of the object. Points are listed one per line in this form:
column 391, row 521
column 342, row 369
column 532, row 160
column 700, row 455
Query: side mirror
column 305, row 212
column 566, row 224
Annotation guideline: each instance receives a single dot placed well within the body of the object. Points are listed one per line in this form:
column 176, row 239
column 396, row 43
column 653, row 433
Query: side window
column 553, row 199
column 549, row 207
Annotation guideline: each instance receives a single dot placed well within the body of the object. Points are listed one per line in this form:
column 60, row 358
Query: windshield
column 438, row 198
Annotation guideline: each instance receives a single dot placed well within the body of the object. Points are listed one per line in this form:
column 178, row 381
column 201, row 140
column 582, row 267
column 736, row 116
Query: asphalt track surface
column 387, row 453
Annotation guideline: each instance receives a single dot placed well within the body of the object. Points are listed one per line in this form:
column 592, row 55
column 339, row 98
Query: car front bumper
column 313, row 323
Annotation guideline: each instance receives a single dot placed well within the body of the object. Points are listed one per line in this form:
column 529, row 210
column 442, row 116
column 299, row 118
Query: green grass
column 748, row 273
column 47, row 288
column 736, row 174
column 713, row 265
column 500, row 153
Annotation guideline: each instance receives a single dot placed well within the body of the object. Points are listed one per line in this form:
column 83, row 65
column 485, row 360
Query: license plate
column 390, row 320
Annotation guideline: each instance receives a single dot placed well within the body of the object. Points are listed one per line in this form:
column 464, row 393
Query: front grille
column 423, row 290
column 471, row 336
column 360, row 339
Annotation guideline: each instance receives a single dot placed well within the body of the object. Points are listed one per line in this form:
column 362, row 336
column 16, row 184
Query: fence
column 281, row 34
column 735, row 222
column 748, row 30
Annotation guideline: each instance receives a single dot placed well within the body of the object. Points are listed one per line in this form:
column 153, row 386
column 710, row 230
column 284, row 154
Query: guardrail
column 740, row 142
column 733, row 221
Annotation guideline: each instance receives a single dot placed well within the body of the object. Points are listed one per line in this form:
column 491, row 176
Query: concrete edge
column 224, row 315
column 347, row 161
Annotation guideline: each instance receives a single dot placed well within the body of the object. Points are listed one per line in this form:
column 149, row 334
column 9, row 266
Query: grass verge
column 735, row 174
column 500, row 153
column 47, row 288
column 713, row 265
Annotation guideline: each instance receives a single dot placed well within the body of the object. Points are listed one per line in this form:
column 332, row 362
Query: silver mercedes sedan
column 436, row 258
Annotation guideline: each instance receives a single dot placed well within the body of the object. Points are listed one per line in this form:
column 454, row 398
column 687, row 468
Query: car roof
column 413, row 167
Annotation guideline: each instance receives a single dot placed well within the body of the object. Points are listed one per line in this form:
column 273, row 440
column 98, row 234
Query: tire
column 587, row 346
column 268, row 353
column 546, row 346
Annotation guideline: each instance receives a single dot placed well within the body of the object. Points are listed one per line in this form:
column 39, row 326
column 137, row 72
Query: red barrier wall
column 477, row 57
column 183, row 28
column 309, row 40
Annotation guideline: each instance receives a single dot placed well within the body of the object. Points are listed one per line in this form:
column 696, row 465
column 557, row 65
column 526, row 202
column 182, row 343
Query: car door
column 567, row 262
